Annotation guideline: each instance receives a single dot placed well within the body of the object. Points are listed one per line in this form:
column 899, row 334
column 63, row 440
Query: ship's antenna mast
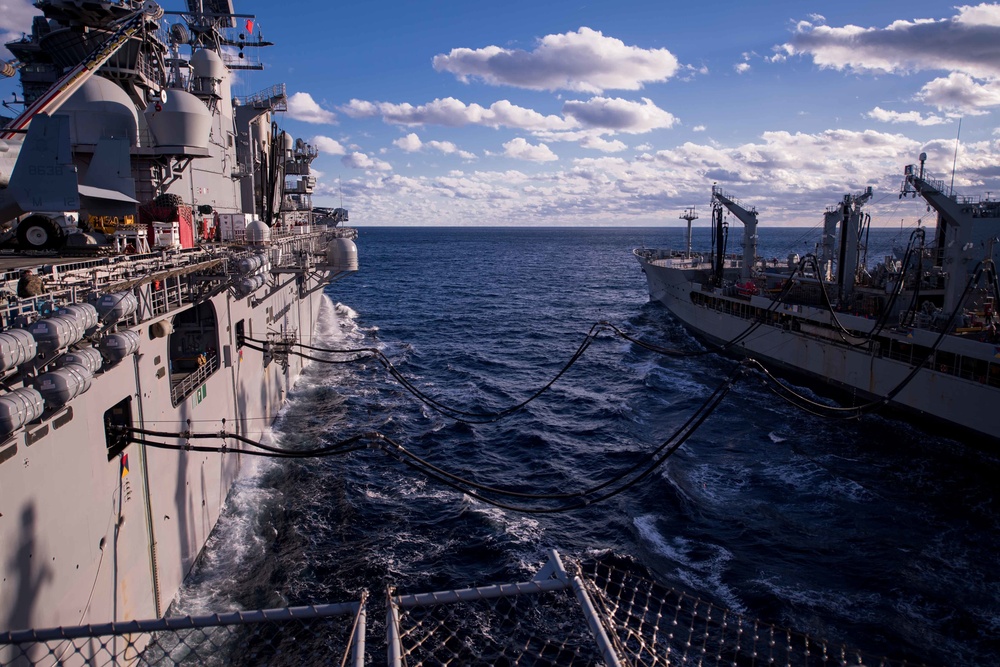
column 954, row 161
column 689, row 215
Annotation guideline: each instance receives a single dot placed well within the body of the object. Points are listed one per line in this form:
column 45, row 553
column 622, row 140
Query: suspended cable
column 584, row 498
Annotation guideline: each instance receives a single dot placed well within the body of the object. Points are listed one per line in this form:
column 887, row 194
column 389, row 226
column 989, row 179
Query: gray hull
column 800, row 340
column 83, row 540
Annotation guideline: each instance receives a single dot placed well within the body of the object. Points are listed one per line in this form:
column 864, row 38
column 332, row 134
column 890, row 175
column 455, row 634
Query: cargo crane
column 967, row 232
column 748, row 216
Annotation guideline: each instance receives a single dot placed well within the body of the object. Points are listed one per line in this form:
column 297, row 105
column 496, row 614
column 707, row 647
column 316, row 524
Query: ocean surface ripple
column 877, row 533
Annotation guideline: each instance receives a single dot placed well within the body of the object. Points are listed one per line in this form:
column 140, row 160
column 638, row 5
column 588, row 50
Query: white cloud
column 983, row 14
column 619, row 115
column 960, row 92
column 449, row 148
column 741, row 68
column 451, row 112
column 327, row 145
column 967, row 42
column 520, row 149
column 301, row 106
column 791, row 178
column 600, row 144
column 410, row 143
column 359, row 109
column 887, row 116
column 584, row 61
column 359, row 160
column 698, row 128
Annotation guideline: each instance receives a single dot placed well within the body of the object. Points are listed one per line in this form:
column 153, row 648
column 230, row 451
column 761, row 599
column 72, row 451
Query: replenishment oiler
column 917, row 333
column 152, row 222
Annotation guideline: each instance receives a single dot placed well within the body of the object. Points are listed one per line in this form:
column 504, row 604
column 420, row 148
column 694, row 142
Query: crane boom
column 749, row 219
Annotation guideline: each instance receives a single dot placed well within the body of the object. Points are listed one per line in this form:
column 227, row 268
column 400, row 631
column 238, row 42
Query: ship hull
column 797, row 340
column 85, row 537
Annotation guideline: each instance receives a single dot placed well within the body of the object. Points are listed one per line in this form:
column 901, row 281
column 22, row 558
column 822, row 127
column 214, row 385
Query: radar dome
column 258, row 233
column 342, row 255
column 207, row 64
column 100, row 109
column 182, row 121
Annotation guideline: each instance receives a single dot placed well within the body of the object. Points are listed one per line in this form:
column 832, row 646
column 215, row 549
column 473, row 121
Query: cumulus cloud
column 327, row 145
column 961, row 92
column 967, row 42
column 601, row 144
column 584, row 60
column 698, row 128
column 886, row 116
column 790, row 177
column 449, row 148
column 520, row 149
column 741, row 68
column 580, row 118
column 358, row 160
column 301, row 106
column 619, row 115
column 360, row 109
column 411, row 143
column 451, row 112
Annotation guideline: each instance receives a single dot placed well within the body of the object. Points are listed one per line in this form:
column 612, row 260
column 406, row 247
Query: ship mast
column 689, row 215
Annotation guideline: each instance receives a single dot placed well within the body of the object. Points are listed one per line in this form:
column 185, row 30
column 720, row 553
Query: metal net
column 594, row 613
column 329, row 634
column 546, row 628
column 651, row 624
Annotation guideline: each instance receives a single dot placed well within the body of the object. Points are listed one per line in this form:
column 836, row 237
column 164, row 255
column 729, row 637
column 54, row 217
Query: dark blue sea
column 874, row 533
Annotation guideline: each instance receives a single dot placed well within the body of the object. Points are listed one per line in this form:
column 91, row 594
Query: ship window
column 115, row 418
column 193, row 350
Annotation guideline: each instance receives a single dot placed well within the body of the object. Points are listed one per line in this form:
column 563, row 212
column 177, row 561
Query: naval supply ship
column 917, row 333
column 150, row 222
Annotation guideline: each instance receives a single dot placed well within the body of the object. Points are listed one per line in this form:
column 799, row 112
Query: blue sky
column 626, row 113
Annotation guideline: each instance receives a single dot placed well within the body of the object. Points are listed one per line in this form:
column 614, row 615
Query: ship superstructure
column 153, row 223
column 917, row 332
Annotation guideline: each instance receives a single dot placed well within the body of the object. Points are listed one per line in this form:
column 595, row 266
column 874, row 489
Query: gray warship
column 151, row 222
column 917, row 333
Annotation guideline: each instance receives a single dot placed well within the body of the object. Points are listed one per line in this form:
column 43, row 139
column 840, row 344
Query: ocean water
column 877, row 533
